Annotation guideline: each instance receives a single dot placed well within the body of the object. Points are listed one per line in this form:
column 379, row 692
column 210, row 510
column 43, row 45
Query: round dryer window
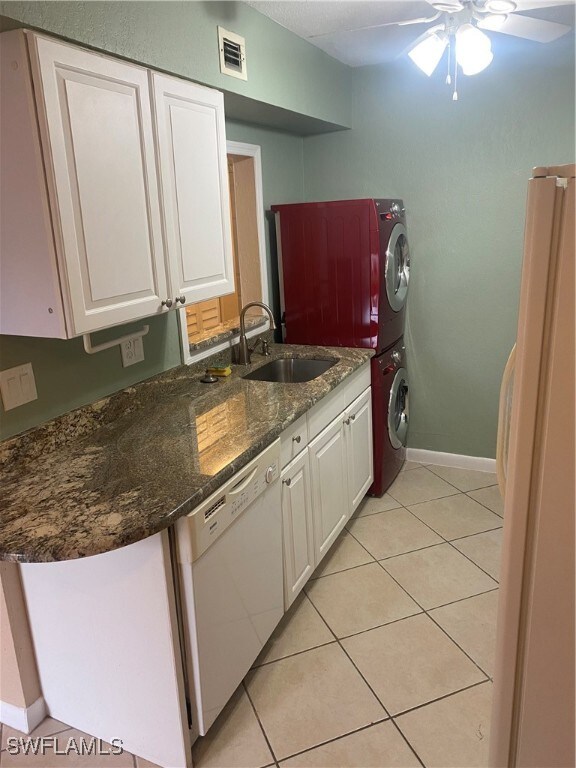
column 397, row 267
column 398, row 409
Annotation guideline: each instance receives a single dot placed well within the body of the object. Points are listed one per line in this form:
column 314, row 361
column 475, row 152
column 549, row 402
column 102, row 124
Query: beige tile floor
column 385, row 660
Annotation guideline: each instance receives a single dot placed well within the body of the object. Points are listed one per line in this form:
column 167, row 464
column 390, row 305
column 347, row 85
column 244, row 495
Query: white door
column 96, row 125
column 298, row 527
column 359, row 451
column 191, row 141
column 329, row 485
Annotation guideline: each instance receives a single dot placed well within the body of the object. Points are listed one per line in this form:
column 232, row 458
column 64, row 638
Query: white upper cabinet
column 191, row 142
column 96, row 125
column 91, row 236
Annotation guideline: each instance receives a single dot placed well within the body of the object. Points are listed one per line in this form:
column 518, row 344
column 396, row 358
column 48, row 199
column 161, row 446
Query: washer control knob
column 395, row 209
column 397, row 357
column 269, row 476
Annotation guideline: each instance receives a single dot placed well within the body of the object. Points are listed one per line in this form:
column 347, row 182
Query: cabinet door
column 298, row 527
column 191, row 142
column 359, row 450
column 329, row 485
column 96, row 126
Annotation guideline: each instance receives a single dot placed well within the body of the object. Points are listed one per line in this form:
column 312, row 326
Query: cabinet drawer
column 293, row 440
column 337, row 401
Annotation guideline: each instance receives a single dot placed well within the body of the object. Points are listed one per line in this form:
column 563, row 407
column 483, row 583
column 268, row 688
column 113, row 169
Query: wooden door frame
column 243, row 150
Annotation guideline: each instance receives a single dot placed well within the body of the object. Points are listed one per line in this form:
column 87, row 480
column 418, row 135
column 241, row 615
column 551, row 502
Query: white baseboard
column 23, row 719
column 451, row 460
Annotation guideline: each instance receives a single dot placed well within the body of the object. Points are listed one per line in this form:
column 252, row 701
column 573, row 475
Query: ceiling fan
column 460, row 29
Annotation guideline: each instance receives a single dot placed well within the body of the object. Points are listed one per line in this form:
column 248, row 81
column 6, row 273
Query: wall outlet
column 132, row 351
column 17, row 386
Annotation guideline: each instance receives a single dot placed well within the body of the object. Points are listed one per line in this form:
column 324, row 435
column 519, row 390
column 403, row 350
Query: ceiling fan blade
column 525, row 26
column 384, row 24
column 534, row 5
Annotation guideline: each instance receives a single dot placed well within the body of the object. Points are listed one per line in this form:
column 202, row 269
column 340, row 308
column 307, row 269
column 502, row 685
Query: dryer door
column 397, row 270
column 398, row 409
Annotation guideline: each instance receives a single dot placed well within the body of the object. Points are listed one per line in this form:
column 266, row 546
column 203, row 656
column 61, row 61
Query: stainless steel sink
column 291, row 370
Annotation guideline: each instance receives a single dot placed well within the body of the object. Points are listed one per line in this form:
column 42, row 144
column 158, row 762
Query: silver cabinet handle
column 297, row 439
column 181, row 299
column 347, row 421
column 167, row 303
column 352, row 417
column 288, row 481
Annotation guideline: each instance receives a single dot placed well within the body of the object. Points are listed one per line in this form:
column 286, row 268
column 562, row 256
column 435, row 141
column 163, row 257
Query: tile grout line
column 437, row 498
column 447, row 541
column 421, row 503
column 377, row 626
column 482, row 503
column 458, row 645
column 440, row 698
column 386, row 719
column 478, row 533
column 291, row 655
column 425, row 611
column 410, row 747
column 352, row 661
column 403, row 712
column 496, row 581
column 462, row 599
column 377, row 512
column 247, row 692
column 343, row 570
column 427, row 466
column 419, row 549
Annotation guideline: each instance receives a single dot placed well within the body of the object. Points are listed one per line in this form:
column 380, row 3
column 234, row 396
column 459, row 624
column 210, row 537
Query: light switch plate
column 17, row 386
column 132, row 351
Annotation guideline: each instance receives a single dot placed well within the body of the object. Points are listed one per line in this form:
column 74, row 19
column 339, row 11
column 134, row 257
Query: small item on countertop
column 209, row 378
column 223, row 370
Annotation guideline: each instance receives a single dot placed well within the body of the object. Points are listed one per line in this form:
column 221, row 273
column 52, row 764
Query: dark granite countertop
column 128, row 466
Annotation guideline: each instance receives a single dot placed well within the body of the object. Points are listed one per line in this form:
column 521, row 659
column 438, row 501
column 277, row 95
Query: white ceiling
column 333, row 25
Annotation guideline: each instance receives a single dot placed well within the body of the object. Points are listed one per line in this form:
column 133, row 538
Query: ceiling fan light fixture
column 495, row 20
column 500, row 6
column 473, row 49
column 427, row 54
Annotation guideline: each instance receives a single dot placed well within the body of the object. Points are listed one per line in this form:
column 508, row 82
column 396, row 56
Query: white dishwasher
column 231, row 582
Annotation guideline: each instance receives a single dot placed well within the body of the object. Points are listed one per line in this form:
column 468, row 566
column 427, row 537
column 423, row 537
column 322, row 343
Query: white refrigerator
column 533, row 717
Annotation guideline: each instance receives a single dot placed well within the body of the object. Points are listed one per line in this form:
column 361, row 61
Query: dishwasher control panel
column 198, row 530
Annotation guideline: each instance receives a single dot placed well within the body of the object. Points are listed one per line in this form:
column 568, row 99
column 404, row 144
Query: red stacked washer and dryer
column 344, row 271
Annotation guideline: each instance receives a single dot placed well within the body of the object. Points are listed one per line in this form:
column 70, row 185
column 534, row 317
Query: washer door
column 398, row 409
column 397, row 270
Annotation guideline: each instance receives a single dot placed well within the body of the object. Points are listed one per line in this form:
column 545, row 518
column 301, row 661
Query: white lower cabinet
column 359, row 449
column 329, row 485
column 299, row 555
column 327, row 460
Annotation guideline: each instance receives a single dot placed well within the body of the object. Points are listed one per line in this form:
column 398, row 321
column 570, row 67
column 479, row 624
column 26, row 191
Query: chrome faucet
column 243, row 351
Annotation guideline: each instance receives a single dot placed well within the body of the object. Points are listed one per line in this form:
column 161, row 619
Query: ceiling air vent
column 232, row 54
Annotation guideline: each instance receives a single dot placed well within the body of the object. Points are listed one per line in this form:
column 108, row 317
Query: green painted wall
column 181, row 37
column 462, row 170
